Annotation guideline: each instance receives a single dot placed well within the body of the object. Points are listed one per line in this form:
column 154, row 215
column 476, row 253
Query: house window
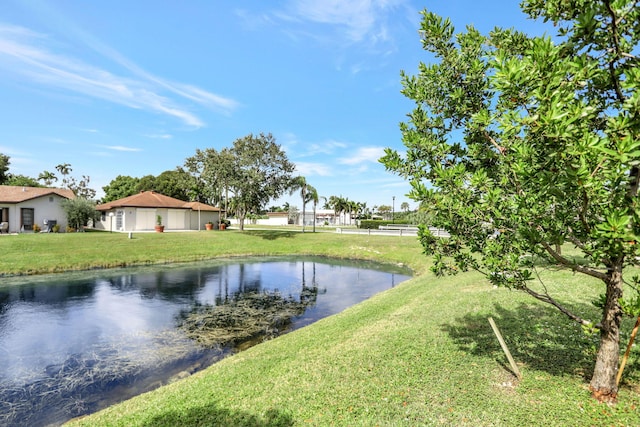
column 119, row 220
column 50, row 199
column 27, row 215
column 4, row 214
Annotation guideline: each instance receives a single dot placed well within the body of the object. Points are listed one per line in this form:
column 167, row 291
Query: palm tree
column 312, row 196
column 405, row 206
column 341, row 206
column 331, row 203
column 362, row 209
column 300, row 183
column 47, row 177
column 64, row 169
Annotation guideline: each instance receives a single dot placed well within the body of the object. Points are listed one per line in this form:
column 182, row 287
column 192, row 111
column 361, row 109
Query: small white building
column 139, row 212
column 23, row 207
column 324, row 217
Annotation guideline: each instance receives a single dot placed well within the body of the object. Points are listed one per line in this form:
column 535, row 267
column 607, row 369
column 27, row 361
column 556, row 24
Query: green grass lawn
column 51, row 253
column 422, row 353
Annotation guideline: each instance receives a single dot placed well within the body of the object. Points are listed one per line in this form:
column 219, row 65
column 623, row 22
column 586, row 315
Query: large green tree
column 212, row 170
column 261, row 172
column 519, row 144
column 176, row 183
column 146, row 183
column 120, row 187
column 254, row 170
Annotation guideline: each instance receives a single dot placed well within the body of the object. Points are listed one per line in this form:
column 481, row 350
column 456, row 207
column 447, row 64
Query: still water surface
column 72, row 344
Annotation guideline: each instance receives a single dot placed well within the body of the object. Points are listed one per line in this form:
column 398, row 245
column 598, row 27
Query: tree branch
column 572, row 265
column 583, row 212
column 579, row 244
column 616, row 44
column 494, row 142
column 549, row 300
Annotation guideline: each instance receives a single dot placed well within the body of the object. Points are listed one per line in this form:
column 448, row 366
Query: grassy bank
column 51, row 253
column 422, row 353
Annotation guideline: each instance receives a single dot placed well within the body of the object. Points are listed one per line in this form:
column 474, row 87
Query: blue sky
column 135, row 87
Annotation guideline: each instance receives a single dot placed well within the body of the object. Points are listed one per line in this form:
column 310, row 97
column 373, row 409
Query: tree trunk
column 314, row 217
column 240, row 221
column 603, row 383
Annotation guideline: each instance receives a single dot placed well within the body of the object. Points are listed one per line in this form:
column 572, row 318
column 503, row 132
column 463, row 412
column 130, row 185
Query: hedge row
column 374, row 224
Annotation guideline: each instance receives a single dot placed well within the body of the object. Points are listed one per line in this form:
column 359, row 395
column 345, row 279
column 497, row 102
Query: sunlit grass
column 422, row 353
column 50, row 253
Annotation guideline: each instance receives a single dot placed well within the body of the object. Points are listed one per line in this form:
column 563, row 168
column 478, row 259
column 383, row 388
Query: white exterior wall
column 176, row 219
column 144, row 219
column 45, row 207
column 198, row 221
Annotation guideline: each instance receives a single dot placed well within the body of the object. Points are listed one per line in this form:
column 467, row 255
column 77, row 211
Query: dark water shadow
column 272, row 234
column 211, row 415
column 539, row 337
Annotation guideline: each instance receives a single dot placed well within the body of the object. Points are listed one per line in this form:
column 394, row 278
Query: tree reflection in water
column 78, row 342
column 247, row 316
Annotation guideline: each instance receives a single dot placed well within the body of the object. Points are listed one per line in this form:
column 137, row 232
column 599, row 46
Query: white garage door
column 176, row 220
column 146, row 219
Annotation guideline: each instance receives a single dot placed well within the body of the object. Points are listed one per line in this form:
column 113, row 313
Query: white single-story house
column 273, row 218
column 140, row 211
column 23, row 207
column 324, row 216
column 278, row 218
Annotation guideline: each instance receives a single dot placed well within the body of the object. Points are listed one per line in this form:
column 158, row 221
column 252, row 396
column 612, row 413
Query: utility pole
column 393, row 209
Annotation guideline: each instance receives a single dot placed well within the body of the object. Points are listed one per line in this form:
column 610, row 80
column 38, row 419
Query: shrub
column 374, row 224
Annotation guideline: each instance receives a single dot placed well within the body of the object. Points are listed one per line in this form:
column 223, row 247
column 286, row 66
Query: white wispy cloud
column 360, row 19
column 301, row 149
column 23, row 53
column 121, row 148
column 159, row 136
column 11, row 151
column 313, row 169
column 362, row 155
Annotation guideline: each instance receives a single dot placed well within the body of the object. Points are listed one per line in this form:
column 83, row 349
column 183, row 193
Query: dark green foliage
column 175, row 183
column 254, row 171
column 374, row 224
column 79, row 212
column 518, row 144
column 22, row 180
column 4, row 168
column 120, row 187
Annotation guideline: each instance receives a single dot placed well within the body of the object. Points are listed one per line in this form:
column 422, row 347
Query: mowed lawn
column 422, row 353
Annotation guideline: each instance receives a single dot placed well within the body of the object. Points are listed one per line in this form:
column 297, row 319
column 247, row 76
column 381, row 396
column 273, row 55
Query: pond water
column 72, row 344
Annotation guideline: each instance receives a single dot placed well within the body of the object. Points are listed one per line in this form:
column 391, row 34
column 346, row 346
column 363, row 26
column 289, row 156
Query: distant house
column 322, row 217
column 139, row 213
column 278, row 218
column 23, row 207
